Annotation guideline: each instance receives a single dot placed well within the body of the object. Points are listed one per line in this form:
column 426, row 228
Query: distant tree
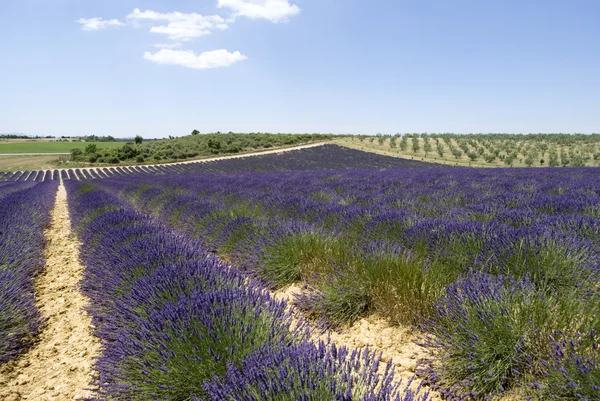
column 489, row 157
column 473, row 156
column 457, row 153
column 427, row 147
column 195, row 132
column 138, row 139
column 76, row 153
column 404, row 143
column 578, row 160
column 415, row 144
column 128, row 152
column 553, row 162
column 543, row 147
column 214, row 144
column 509, row 159
column 529, row 160
column 542, row 161
column 440, row 149
column 91, row 148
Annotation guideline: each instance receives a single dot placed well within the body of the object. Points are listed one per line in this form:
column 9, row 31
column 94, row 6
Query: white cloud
column 168, row 45
column 95, row 24
column 180, row 26
column 273, row 10
column 185, row 58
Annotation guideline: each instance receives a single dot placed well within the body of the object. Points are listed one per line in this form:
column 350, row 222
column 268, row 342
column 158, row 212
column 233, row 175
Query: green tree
column 91, row 148
column 553, row 162
column 195, row 132
column 440, row 149
column 427, row 147
column 509, row 159
column 529, row 160
column 489, row 157
column 415, row 144
column 473, row 156
column 404, row 143
column 138, row 140
column 76, row 154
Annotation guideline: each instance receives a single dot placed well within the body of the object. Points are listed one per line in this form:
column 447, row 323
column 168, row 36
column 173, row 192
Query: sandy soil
column 395, row 343
column 59, row 366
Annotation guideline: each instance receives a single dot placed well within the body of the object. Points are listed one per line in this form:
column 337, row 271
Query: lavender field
column 321, row 157
column 498, row 269
column 24, row 213
column 495, row 272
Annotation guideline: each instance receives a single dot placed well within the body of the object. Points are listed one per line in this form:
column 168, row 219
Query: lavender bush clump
column 431, row 245
column 24, row 214
column 311, row 372
column 173, row 319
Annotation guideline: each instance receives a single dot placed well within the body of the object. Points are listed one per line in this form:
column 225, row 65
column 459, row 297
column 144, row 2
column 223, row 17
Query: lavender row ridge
column 414, row 247
column 24, row 214
column 176, row 323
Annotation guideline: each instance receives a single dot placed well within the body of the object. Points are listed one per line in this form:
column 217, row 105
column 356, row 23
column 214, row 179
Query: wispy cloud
column 180, row 26
column 96, row 24
column 210, row 59
column 273, row 10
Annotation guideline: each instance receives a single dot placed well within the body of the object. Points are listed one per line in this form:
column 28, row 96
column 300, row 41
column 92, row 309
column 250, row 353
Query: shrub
column 299, row 255
column 311, row 372
column 491, row 332
column 338, row 299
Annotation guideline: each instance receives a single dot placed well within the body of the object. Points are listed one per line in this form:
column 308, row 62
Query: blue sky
column 159, row 68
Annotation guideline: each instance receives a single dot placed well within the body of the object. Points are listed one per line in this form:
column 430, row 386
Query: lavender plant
column 24, row 214
column 528, row 237
column 173, row 318
column 311, row 372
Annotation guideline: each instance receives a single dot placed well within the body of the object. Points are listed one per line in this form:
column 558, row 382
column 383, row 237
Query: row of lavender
column 499, row 267
column 29, row 176
column 178, row 324
column 24, row 214
column 326, row 157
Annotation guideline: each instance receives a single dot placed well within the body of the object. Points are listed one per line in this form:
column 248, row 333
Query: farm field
column 325, row 157
column 51, row 147
column 241, row 279
column 489, row 150
column 16, row 163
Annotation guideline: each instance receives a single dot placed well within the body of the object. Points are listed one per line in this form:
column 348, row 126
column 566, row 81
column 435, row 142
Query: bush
column 339, row 299
column 299, row 255
column 310, row 372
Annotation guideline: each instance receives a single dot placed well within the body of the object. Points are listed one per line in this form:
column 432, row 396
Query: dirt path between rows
column 395, row 343
column 59, row 366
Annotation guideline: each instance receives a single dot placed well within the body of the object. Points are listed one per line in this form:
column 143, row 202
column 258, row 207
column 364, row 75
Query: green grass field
column 51, row 147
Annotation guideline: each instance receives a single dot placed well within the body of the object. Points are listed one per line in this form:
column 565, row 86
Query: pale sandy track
column 59, row 366
column 393, row 343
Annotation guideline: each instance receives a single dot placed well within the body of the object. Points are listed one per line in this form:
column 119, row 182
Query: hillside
column 486, row 150
column 192, row 146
